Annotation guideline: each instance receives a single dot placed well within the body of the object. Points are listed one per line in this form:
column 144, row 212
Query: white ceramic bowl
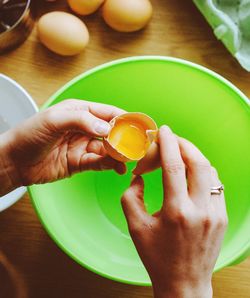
column 15, row 106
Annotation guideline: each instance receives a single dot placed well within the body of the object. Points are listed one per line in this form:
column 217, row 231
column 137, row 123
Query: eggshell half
column 142, row 119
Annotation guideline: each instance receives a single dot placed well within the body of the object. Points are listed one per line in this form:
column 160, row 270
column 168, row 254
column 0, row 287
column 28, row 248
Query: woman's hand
column 179, row 244
column 57, row 143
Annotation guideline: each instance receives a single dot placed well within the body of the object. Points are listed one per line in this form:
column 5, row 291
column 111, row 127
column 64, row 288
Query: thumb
column 133, row 204
column 150, row 162
column 79, row 120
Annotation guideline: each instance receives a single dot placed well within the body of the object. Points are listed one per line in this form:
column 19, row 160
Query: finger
column 100, row 110
column 150, row 162
column 198, row 171
column 94, row 157
column 80, row 120
column 75, row 148
column 173, row 168
column 97, row 147
column 218, row 200
column 92, row 161
column 104, row 111
column 133, row 204
column 215, row 181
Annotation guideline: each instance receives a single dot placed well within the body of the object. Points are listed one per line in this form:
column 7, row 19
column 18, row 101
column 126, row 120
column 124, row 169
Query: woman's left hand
column 59, row 142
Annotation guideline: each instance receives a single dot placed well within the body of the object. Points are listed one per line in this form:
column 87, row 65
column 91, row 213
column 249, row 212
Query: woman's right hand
column 179, row 245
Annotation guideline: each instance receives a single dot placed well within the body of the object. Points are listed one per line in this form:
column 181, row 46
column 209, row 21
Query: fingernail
column 102, row 128
column 166, row 128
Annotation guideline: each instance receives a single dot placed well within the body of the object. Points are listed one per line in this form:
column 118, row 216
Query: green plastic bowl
column 83, row 214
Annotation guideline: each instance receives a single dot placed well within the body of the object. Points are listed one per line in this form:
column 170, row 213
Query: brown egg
column 85, row 7
column 127, row 15
column 62, row 33
column 130, row 136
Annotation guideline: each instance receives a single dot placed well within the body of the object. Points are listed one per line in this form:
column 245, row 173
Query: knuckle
column 82, row 116
column 86, row 163
column 126, row 198
column 135, row 229
column 214, row 171
column 85, row 118
column 87, row 159
column 70, row 101
column 74, row 105
column 174, row 167
column 140, row 227
column 215, row 174
column 207, row 221
column 201, row 165
column 222, row 222
column 96, row 146
column 93, row 146
column 49, row 115
column 50, row 119
column 210, row 221
column 177, row 218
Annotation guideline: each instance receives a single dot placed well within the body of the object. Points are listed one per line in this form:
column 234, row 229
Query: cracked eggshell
column 143, row 120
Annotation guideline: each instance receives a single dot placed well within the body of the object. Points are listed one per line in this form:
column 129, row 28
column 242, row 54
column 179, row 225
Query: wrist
column 183, row 290
column 8, row 175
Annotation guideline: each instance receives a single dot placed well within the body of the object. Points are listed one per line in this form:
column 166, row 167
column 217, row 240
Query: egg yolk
column 129, row 138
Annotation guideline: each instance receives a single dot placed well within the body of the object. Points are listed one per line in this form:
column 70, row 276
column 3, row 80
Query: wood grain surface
column 31, row 265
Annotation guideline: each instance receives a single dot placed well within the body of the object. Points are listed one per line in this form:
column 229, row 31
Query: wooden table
column 39, row 268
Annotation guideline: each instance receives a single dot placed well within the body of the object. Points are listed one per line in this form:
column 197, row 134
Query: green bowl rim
column 245, row 248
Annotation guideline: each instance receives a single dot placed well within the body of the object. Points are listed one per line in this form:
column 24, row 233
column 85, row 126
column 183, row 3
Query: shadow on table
column 11, row 281
column 59, row 276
